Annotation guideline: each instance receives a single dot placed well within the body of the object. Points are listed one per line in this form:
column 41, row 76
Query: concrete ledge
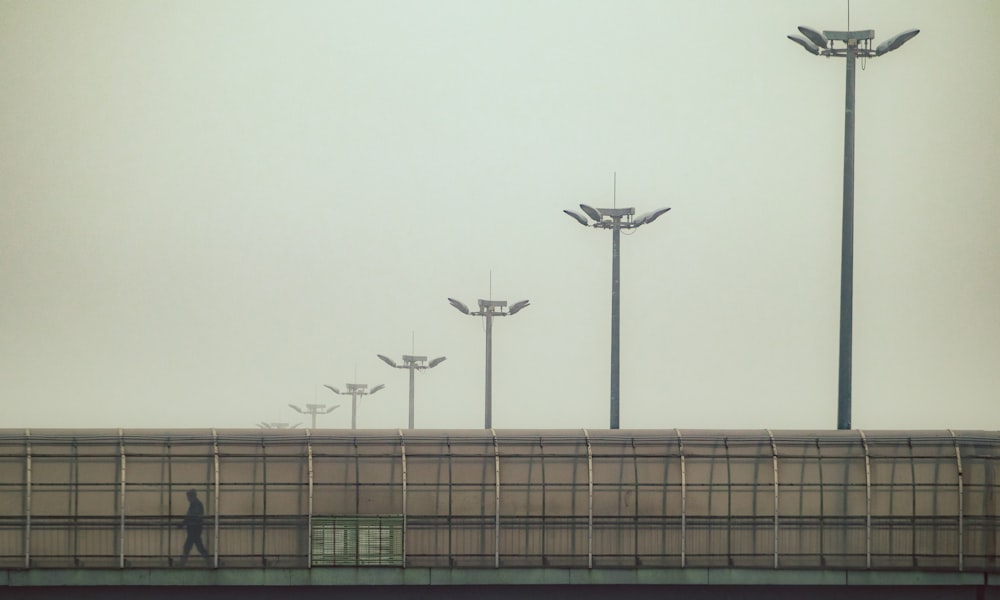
column 421, row 577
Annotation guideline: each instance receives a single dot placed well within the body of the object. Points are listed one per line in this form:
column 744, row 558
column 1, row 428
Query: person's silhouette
column 193, row 523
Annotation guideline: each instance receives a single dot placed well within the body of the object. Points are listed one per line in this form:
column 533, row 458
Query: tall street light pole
column 412, row 363
column 314, row 409
column 355, row 390
column 489, row 309
column 615, row 219
column 850, row 45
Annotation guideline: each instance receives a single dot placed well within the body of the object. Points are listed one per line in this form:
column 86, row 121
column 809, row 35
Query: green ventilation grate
column 357, row 541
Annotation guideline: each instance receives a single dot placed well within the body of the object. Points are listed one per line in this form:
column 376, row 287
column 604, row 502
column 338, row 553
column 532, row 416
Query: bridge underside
column 526, row 584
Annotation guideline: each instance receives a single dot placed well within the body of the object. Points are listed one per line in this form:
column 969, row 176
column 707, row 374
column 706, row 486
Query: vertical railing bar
column 121, row 501
column 215, row 501
column 541, row 460
column 961, row 508
column 868, row 501
column 357, row 502
column 402, row 453
column 774, row 460
column 165, row 493
column 680, row 447
column 496, row 511
column 451, row 532
column 635, row 501
column 309, row 505
column 822, row 507
column 27, row 499
column 74, row 501
column 264, row 525
column 590, row 501
column 729, row 502
column 913, row 502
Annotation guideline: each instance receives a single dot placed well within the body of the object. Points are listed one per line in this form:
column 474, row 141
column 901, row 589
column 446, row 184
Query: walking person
column 193, row 523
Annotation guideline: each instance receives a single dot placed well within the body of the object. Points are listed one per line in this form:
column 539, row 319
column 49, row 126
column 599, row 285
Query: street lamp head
column 331, row 409
column 297, row 409
column 807, row 44
column 591, row 212
column 814, row 36
column 462, row 308
column 650, row 216
column 895, row 41
column 582, row 220
column 386, row 360
column 376, row 388
column 517, row 306
column 331, row 388
column 435, row 362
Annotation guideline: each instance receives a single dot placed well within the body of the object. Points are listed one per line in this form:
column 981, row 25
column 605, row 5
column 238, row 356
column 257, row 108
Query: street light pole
column 412, row 363
column 355, row 390
column 855, row 44
column 314, row 409
column 615, row 219
column 489, row 309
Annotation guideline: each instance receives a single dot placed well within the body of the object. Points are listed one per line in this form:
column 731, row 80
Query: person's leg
column 201, row 547
column 188, row 543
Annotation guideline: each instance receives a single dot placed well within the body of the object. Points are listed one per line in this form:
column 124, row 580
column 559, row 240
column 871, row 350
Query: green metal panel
column 357, row 541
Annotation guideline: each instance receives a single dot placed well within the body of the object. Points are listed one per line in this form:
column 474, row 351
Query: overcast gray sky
column 210, row 209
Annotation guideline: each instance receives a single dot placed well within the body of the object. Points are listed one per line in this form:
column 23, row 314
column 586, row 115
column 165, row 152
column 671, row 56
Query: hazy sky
column 210, row 209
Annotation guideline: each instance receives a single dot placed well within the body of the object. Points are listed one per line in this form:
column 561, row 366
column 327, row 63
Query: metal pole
column 354, row 409
column 615, row 315
column 412, row 369
column 847, row 249
column 489, row 367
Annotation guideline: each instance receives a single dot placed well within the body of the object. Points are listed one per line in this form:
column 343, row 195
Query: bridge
column 456, row 513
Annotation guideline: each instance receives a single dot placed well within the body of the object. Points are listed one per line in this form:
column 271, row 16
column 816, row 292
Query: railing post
column 868, row 501
column 215, row 502
column 121, row 500
column 590, row 502
column 680, row 448
column 774, row 461
column 961, row 502
column 402, row 454
column 27, row 499
column 309, row 508
column 496, row 511
column 635, row 502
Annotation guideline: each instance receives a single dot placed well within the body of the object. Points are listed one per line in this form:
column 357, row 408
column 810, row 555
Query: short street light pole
column 354, row 390
column 314, row 409
column 412, row 363
column 855, row 44
column 615, row 219
column 489, row 309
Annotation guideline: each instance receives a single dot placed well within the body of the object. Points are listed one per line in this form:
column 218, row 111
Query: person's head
column 192, row 494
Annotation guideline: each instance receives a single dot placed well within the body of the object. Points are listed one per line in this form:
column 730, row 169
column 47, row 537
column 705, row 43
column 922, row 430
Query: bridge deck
column 418, row 577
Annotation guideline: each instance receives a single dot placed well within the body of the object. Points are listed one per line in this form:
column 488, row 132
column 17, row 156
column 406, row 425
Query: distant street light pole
column 412, row 363
column 615, row 219
column 354, row 390
column 856, row 43
column 314, row 409
column 489, row 309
